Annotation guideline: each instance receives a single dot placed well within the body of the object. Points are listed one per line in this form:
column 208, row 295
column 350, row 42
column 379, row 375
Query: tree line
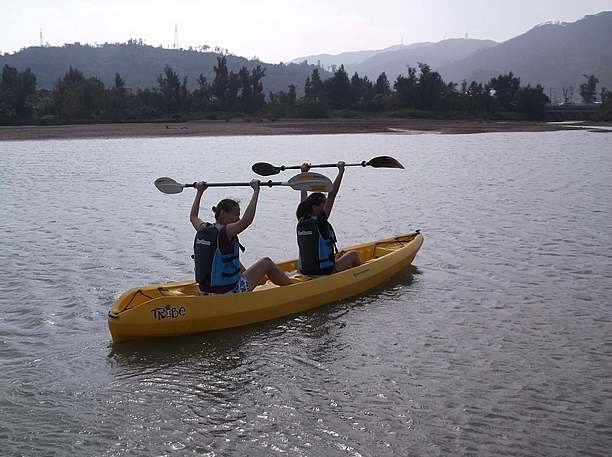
column 77, row 98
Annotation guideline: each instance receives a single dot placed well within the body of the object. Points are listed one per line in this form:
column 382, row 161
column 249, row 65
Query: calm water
column 498, row 342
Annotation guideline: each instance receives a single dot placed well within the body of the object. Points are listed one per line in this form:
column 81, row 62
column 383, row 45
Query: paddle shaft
column 242, row 184
column 324, row 165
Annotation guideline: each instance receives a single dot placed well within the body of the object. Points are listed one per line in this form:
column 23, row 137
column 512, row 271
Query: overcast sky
column 278, row 30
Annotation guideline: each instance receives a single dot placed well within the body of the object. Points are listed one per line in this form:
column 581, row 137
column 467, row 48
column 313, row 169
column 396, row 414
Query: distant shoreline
column 240, row 127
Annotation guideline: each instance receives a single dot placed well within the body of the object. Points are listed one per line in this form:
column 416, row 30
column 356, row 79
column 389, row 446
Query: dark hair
column 227, row 204
column 304, row 209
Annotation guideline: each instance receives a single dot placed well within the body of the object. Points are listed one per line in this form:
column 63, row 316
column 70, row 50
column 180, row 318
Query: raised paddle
column 267, row 169
column 311, row 182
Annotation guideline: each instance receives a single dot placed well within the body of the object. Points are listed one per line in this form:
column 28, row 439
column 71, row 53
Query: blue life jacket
column 317, row 253
column 212, row 267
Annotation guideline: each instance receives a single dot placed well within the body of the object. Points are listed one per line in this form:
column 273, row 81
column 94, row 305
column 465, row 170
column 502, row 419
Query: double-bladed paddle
column 267, row 169
column 311, row 182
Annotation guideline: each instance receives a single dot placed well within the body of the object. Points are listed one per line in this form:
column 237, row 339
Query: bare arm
column 329, row 202
column 248, row 216
column 195, row 207
column 303, row 193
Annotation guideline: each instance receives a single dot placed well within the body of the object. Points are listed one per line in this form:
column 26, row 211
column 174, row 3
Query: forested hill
column 556, row 55
column 394, row 60
column 139, row 65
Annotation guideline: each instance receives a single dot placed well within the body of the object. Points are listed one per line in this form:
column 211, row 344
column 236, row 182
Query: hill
column 554, row 55
column 395, row 59
column 139, row 64
column 349, row 57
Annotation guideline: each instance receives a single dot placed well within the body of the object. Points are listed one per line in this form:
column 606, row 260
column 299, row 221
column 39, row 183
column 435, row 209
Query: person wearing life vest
column 315, row 236
column 216, row 249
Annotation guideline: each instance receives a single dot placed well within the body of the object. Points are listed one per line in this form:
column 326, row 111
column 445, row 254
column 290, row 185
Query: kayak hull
column 173, row 309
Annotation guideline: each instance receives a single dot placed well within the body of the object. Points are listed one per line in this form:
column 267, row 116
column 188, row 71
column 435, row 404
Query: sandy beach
column 278, row 127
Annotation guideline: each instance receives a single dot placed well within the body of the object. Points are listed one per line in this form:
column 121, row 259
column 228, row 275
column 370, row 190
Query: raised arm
column 235, row 228
column 303, row 194
column 329, row 202
column 195, row 207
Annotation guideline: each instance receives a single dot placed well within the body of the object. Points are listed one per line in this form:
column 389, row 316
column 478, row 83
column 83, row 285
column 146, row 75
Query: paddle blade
column 384, row 162
column 265, row 169
column 168, row 185
column 310, row 182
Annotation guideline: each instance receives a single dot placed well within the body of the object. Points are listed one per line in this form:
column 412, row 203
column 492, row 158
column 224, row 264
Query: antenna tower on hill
column 176, row 42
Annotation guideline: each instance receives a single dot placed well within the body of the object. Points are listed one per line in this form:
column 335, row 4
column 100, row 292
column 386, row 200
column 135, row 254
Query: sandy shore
column 279, row 127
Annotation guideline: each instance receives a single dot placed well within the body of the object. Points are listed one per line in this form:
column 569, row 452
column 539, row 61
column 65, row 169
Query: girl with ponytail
column 315, row 235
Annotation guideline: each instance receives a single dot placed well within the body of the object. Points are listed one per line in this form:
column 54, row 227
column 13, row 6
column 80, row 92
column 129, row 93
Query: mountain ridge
column 556, row 55
column 140, row 64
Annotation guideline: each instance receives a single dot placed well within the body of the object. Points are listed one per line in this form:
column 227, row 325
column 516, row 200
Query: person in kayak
column 315, row 236
column 217, row 250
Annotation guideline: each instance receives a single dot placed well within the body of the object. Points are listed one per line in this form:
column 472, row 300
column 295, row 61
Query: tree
column 202, row 95
column 406, row 89
column 17, row 91
column 246, row 91
column 118, row 93
column 431, row 88
column 291, row 95
column 76, row 97
column 568, row 94
column 606, row 104
column 170, row 88
column 382, row 85
column 258, row 97
column 338, row 89
column 588, row 90
column 478, row 98
column 313, row 87
column 504, row 90
column 220, row 84
column 531, row 101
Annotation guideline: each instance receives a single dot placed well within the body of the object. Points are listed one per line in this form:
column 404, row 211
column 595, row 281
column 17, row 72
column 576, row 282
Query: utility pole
column 41, row 39
column 176, row 41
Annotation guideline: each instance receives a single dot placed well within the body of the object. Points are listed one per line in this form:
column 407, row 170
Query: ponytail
column 304, row 209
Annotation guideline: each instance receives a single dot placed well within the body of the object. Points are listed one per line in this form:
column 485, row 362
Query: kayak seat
column 170, row 292
column 302, row 278
column 380, row 252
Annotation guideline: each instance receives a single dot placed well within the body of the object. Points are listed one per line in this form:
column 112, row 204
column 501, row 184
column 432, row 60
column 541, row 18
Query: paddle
column 267, row 169
column 311, row 182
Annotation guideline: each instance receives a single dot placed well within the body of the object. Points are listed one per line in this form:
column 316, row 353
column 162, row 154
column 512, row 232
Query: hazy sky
column 277, row 30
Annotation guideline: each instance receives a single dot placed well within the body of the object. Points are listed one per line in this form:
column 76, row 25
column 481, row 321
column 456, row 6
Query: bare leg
column 264, row 268
column 349, row 260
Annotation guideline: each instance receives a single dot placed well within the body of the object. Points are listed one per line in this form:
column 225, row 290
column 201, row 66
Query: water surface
column 497, row 342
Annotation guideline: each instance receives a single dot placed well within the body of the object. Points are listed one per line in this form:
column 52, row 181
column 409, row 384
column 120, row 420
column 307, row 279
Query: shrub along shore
column 421, row 94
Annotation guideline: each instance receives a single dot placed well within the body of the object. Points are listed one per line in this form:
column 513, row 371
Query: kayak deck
column 176, row 309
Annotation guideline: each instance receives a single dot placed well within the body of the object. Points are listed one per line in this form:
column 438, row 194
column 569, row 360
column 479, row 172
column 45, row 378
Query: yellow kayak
column 175, row 308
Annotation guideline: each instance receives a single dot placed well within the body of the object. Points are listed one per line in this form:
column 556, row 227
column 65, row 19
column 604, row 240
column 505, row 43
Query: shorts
column 241, row 286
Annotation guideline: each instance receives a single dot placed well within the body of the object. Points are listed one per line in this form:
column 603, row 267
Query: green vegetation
column 420, row 93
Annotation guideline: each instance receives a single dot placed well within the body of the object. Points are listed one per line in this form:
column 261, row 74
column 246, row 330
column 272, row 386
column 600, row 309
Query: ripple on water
column 496, row 344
